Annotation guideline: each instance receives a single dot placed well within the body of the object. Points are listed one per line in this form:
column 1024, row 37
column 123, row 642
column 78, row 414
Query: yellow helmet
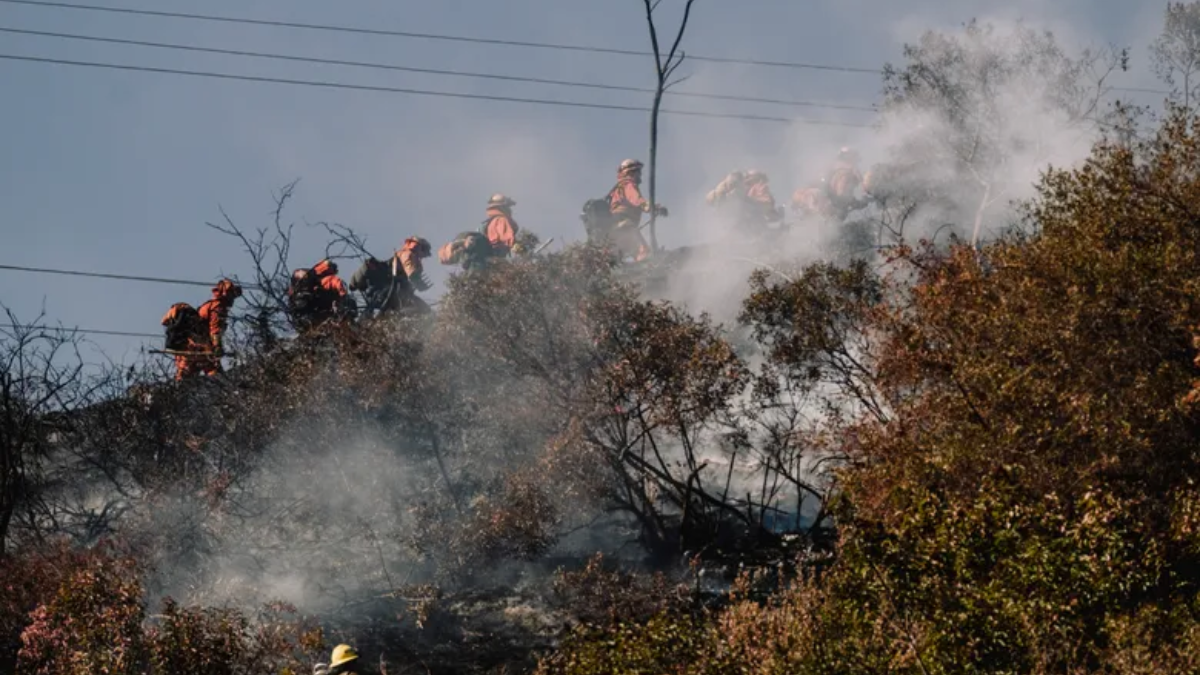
column 342, row 654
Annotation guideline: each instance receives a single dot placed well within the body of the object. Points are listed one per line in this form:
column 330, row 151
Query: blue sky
column 118, row 172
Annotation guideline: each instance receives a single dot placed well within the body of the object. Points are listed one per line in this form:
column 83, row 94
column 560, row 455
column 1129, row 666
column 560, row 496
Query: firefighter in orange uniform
column 196, row 337
column 409, row 274
column 500, row 228
column 214, row 316
column 627, row 206
column 755, row 204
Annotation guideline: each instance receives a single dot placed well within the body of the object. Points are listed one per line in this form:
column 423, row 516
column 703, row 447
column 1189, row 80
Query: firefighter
column 214, row 314
column 184, row 335
column 375, row 281
column 343, row 661
column 318, row 295
column 627, row 205
column 409, row 273
column 731, row 184
column 843, row 181
column 196, row 336
column 755, row 204
column 847, row 160
column 500, row 228
column 811, row 201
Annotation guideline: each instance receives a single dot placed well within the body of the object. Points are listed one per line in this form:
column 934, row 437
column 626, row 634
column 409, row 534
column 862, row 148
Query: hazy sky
column 118, row 171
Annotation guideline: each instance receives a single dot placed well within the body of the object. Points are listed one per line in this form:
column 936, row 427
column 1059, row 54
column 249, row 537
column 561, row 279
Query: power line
column 1140, row 90
column 431, row 36
column 430, row 71
column 464, row 39
column 120, row 277
column 422, row 92
column 90, row 331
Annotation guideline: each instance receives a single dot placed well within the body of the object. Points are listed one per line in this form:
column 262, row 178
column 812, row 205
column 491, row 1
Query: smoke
column 316, row 524
column 1010, row 104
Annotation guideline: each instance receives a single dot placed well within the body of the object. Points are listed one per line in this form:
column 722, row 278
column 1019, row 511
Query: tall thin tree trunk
column 983, row 202
column 1187, row 89
column 654, row 169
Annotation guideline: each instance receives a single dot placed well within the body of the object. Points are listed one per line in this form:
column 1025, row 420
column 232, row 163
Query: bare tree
column 664, row 68
column 989, row 108
column 1176, row 53
column 43, row 381
column 269, row 250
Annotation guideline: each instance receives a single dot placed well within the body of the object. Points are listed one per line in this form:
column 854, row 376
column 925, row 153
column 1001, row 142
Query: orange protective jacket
column 410, row 263
column 627, row 201
column 760, row 193
column 762, row 203
column 728, row 186
column 843, row 178
column 501, row 229
column 215, row 314
column 810, row 200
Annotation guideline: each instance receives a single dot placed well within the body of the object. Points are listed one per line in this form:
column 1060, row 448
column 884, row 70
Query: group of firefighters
column 317, row 295
column 833, row 196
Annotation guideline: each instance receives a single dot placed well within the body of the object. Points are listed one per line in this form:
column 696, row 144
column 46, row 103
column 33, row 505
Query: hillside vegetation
column 938, row 458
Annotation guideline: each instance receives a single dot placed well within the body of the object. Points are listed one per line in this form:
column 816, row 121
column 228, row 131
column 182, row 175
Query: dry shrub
column 664, row 644
column 643, row 625
column 520, row 523
column 601, row 595
column 211, row 641
column 516, row 520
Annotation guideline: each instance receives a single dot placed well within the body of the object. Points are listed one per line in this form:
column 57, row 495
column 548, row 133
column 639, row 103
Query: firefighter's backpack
column 303, row 290
column 182, row 326
column 597, row 215
column 454, row 252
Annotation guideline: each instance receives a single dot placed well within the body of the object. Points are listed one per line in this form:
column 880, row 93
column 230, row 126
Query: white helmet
column 500, row 199
column 629, row 166
column 755, row 175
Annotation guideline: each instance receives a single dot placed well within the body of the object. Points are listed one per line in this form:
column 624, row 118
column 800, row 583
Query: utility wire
column 429, row 71
column 428, row 36
column 461, row 38
column 120, row 277
column 66, row 329
column 422, row 92
column 1140, row 90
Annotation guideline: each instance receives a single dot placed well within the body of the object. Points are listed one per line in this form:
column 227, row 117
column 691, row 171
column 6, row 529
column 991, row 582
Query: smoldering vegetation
column 438, row 489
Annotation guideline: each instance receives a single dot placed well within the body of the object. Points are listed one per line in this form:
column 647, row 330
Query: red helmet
column 325, row 268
